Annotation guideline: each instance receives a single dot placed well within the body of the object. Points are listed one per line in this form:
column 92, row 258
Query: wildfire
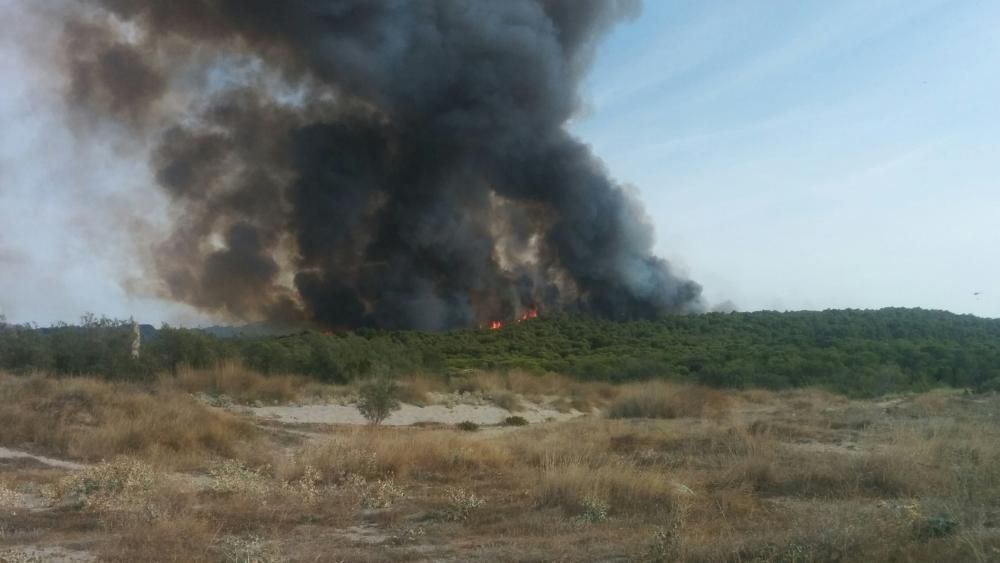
column 529, row 314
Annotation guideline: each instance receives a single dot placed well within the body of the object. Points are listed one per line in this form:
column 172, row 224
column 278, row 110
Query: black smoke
column 390, row 163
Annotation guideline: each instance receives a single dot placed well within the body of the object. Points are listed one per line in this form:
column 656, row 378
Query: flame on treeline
column 529, row 314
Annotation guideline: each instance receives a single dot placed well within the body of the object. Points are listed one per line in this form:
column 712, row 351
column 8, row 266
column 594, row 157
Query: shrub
column 119, row 484
column 381, row 494
column 378, row 399
column 505, row 400
column 248, row 548
column 515, row 421
column 937, row 526
column 594, row 510
column 461, row 503
column 467, row 426
column 234, row 477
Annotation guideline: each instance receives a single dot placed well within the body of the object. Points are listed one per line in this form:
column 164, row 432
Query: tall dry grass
column 90, row 420
column 660, row 399
column 378, row 452
column 239, row 384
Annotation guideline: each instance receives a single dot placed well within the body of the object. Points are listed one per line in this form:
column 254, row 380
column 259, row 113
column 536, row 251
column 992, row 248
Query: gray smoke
column 392, row 163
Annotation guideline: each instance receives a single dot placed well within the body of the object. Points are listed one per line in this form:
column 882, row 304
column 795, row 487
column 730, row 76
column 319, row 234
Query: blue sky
column 793, row 155
column 812, row 154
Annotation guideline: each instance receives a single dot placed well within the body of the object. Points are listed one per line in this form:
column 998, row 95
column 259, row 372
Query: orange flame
column 529, row 314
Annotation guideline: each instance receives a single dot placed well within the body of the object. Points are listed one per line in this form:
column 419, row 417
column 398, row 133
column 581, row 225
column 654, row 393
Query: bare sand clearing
column 6, row 453
column 47, row 554
column 407, row 415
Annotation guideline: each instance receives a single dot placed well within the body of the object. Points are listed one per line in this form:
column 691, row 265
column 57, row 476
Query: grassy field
column 182, row 469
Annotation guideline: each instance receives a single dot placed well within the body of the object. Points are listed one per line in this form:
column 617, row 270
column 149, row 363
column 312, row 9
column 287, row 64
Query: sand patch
column 6, row 453
column 409, row 415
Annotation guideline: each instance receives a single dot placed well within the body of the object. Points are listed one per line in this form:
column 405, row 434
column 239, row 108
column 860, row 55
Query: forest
column 854, row 352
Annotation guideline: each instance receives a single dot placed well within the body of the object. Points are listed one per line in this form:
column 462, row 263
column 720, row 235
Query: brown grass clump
column 666, row 400
column 506, row 400
column 239, row 384
column 182, row 537
column 91, row 420
column 404, row 453
column 415, row 389
column 625, row 488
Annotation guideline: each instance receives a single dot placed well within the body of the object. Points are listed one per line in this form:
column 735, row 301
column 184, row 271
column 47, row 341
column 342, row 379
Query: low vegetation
column 377, row 399
column 853, row 352
column 91, row 420
column 659, row 471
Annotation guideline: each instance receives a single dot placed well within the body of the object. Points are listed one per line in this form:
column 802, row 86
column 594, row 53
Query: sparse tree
column 378, row 399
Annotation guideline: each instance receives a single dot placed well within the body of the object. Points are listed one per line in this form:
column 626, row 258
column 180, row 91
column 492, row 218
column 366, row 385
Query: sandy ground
column 6, row 453
column 48, row 554
column 407, row 415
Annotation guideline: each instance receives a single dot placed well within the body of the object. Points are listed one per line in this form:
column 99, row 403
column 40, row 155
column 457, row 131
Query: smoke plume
column 394, row 163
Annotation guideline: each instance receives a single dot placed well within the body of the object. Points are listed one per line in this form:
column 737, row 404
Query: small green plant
column 381, row 494
column 664, row 546
column 247, row 548
column 515, row 421
column 937, row 526
column 233, row 477
column 461, row 503
column 594, row 510
column 378, row 399
column 467, row 426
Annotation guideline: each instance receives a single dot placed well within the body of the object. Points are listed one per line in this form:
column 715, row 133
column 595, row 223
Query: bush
column 938, row 526
column 594, row 510
column 378, row 399
column 515, row 421
column 462, row 503
column 505, row 400
column 467, row 426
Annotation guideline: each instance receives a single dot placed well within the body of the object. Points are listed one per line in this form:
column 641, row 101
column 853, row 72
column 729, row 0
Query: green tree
column 378, row 399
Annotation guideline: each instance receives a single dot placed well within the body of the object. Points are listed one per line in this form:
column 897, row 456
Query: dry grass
column 377, row 452
column 90, row 420
column 238, row 384
column 667, row 400
column 697, row 475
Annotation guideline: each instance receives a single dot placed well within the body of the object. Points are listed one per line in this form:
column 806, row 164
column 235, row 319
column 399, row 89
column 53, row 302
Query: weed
column 663, row 548
column 234, row 477
column 121, row 484
column 248, row 548
column 461, row 503
column 594, row 510
column 937, row 526
column 381, row 494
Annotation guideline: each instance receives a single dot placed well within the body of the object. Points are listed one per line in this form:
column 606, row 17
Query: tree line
column 857, row 352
